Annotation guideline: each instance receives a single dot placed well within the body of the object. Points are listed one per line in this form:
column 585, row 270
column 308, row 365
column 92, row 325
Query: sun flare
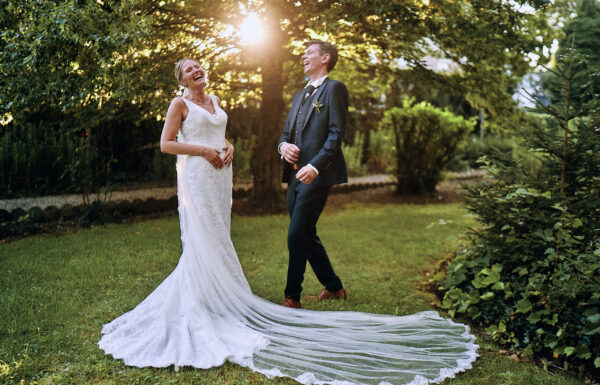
column 251, row 29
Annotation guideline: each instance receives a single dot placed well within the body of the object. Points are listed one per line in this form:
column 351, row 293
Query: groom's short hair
column 325, row 47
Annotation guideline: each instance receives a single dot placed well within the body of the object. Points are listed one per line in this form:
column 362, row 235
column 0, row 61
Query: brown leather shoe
column 326, row 294
column 290, row 302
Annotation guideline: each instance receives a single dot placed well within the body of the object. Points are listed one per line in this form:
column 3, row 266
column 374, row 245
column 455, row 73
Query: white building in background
column 529, row 90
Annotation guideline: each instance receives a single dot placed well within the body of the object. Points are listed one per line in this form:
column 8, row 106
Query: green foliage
column 580, row 33
column 84, row 63
column 74, row 116
column 242, row 160
column 531, row 273
column 353, row 156
column 163, row 166
column 53, row 157
column 468, row 153
column 28, row 168
column 425, row 139
column 380, row 152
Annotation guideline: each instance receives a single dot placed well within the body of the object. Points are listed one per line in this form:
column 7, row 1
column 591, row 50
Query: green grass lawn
column 58, row 290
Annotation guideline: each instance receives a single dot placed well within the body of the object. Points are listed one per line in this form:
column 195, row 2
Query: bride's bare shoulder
column 178, row 100
column 178, row 103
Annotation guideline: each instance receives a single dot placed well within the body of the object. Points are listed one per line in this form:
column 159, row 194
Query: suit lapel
column 296, row 107
column 315, row 100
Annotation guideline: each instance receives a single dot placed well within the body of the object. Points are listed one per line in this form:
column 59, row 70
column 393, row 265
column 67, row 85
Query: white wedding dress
column 204, row 312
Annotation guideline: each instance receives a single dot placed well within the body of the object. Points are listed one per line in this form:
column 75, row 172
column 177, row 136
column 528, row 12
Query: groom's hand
column 290, row 152
column 306, row 174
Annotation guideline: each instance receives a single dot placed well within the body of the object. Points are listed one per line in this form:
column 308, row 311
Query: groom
column 311, row 147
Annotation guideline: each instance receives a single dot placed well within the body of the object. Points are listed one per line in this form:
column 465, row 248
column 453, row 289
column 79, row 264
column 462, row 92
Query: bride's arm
column 169, row 144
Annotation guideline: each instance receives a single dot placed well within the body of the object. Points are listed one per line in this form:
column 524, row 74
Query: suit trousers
column 305, row 203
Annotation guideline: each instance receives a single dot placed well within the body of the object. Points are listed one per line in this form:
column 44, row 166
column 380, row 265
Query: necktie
column 309, row 90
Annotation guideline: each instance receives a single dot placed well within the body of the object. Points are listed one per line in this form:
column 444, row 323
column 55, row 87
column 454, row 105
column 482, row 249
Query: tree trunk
column 267, row 193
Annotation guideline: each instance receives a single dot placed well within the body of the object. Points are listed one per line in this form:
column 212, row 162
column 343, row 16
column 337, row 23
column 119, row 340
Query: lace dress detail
column 204, row 312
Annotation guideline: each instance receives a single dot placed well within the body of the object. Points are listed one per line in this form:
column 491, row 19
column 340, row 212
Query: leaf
column 583, row 351
column 594, row 318
column 521, row 271
column 550, row 341
column 597, row 362
column 569, row 350
column 591, row 332
column 524, row 306
column 502, row 326
column 487, row 295
column 487, row 277
column 498, row 286
column 458, row 266
column 534, row 317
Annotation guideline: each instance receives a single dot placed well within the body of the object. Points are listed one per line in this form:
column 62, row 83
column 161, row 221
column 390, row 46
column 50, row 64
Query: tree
column 531, row 273
column 91, row 59
column 580, row 33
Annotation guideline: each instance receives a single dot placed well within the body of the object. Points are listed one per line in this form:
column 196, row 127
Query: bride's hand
column 213, row 156
column 228, row 157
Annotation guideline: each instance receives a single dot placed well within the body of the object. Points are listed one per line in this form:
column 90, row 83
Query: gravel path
column 143, row 194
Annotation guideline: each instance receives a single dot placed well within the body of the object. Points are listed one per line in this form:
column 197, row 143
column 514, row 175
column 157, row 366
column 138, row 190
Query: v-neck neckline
column 207, row 111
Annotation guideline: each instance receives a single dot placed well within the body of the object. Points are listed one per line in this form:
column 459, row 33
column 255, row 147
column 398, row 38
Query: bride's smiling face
column 193, row 74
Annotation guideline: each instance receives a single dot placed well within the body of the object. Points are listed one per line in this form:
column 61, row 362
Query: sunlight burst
column 251, row 29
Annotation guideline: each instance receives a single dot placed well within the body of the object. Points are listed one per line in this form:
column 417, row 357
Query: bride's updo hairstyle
column 179, row 68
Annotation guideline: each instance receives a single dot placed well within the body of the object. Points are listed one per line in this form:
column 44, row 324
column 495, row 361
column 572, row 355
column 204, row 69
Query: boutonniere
column 318, row 106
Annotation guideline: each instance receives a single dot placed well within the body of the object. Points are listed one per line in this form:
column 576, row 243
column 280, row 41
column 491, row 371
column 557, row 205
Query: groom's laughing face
column 312, row 60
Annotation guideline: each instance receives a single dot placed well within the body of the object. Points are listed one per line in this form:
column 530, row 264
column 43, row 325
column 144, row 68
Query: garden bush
column 50, row 154
column 467, row 154
column 531, row 272
column 242, row 159
column 425, row 139
column 379, row 157
column 353, row 156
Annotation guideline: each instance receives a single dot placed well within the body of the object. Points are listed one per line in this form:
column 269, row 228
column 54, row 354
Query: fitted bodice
column 202, row 127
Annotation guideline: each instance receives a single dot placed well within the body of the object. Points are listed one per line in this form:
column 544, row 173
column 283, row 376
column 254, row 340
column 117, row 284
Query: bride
column 204, row 312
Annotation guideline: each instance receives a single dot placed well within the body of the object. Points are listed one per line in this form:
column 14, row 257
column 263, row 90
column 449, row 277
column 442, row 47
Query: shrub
column 425, row 139
column 163, row 166
column 242, row 157
column 531, row 274
column 381, row 153
column 52, row 154
column 467, row 154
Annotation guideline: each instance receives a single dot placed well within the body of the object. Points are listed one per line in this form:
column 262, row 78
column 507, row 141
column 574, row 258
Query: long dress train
column 204, row 312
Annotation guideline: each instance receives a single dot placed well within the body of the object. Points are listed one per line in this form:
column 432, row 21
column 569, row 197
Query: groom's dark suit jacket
column 320, row 137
